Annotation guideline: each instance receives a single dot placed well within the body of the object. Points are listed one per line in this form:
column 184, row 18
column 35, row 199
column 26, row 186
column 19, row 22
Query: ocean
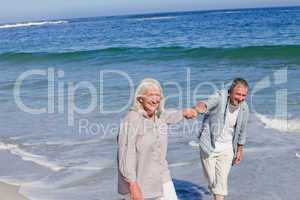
column 66, row 84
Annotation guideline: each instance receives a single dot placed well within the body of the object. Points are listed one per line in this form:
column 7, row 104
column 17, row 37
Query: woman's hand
column 135, row 191
column 190, row 113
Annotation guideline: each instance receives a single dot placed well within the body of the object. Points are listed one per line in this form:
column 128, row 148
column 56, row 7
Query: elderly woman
column 142, row 145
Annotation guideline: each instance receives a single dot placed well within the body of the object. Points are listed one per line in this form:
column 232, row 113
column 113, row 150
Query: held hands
column 135, row 191
column 190, row 113
column 201, row 107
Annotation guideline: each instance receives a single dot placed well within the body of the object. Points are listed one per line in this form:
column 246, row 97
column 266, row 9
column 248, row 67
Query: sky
column 27, row 10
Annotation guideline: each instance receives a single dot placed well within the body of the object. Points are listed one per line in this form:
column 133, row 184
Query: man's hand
column 201, row 107
column 135, row 191
column 190, row 113
column 239, row 155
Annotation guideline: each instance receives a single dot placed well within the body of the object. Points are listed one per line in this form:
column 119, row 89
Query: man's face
column 238, row 94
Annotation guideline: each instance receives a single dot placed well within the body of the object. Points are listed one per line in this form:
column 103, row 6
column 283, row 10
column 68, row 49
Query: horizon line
column 152, row 13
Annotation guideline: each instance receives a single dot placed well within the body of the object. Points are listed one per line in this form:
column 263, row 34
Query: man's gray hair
column 238, row 81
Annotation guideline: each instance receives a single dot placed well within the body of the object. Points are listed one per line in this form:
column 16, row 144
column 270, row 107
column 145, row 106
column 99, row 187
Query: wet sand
column 10, row 192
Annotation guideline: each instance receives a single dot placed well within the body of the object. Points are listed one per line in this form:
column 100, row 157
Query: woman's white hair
column 142, row 88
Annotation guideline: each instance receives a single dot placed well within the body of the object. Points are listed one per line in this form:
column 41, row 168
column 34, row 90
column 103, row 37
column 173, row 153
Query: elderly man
column 223, row 134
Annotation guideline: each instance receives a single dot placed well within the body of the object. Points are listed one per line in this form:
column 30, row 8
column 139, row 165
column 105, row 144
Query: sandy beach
column 10, row 192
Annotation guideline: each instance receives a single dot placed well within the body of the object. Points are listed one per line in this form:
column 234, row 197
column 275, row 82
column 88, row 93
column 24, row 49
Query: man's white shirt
column 224, row 141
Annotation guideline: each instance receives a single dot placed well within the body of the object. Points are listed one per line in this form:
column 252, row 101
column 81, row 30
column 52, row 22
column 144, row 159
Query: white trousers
column 169, row 192
column 216, row 168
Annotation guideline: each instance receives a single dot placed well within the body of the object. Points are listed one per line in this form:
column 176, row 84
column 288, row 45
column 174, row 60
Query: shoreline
column 10, row 192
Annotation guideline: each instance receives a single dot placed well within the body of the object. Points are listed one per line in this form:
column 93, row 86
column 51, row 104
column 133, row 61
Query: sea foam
column 282, row 125
column 37, row 159
column 16, row 25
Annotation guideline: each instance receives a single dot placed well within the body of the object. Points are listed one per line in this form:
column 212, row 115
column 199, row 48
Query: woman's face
column 150, row 100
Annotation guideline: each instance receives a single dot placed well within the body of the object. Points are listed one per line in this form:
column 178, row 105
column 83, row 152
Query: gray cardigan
column 214, row 119
column 142, row 149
